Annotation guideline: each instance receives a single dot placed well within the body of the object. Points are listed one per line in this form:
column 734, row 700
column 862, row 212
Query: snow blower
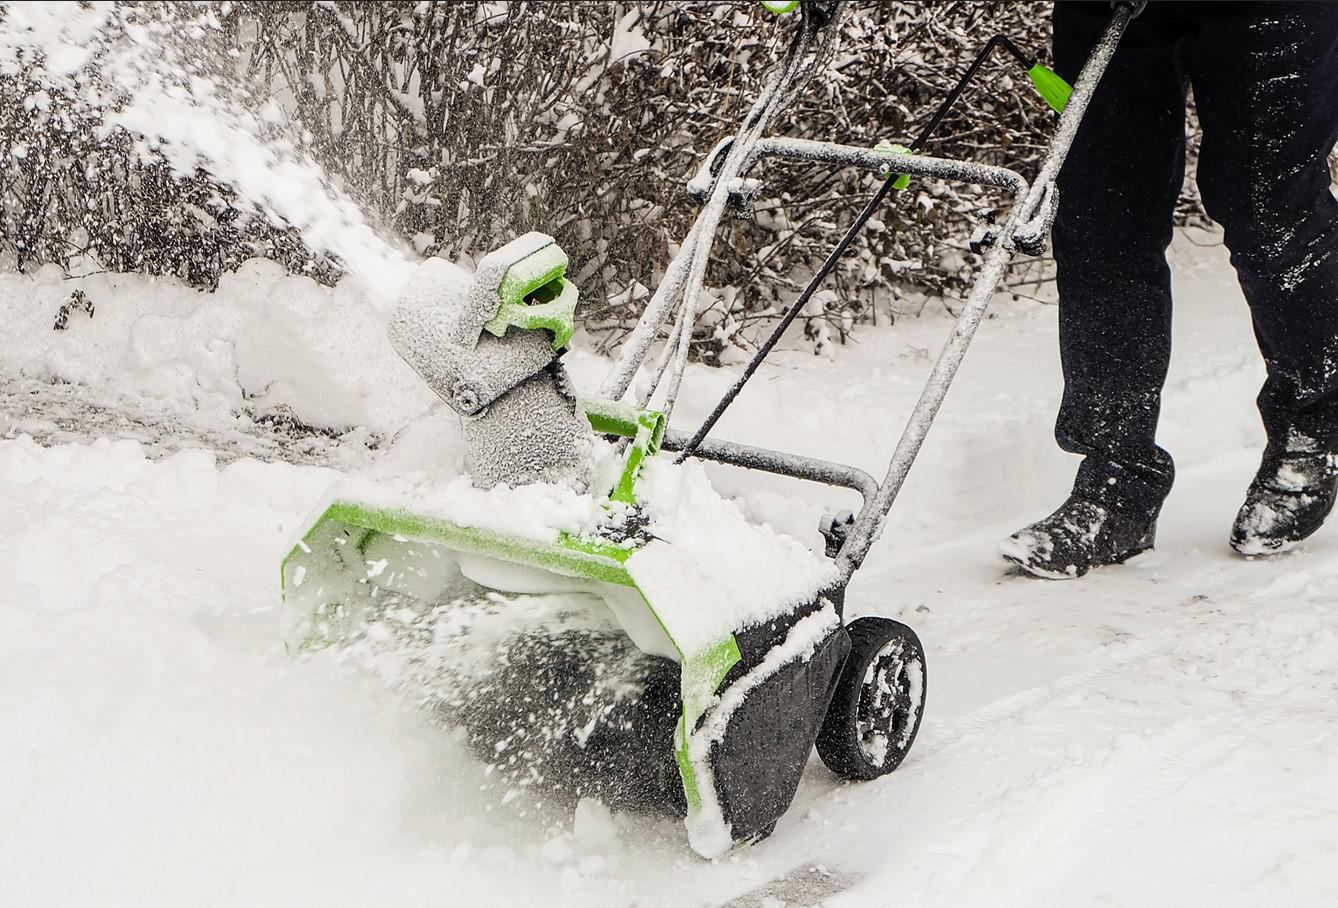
column 615, row 628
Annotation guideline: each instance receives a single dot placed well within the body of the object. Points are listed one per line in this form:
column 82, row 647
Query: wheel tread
column 837, row 742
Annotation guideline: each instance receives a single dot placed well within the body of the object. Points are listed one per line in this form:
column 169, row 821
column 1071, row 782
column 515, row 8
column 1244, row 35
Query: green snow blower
column 628, row 634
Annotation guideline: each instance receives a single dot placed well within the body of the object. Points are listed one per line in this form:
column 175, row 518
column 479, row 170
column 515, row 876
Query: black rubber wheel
column 879, row 701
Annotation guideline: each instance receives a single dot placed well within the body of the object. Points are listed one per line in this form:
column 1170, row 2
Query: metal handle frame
column 1038, row 204
column 1030, row 217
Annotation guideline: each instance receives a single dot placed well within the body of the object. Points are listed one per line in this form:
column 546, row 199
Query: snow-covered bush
column 467, row 123
column 460, row 125
column 88, row 198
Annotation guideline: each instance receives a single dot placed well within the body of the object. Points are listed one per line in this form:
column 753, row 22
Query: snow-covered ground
column 1161, row 733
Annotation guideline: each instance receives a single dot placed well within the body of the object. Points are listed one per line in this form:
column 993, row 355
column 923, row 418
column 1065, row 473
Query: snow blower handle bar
column 1051, row 87
column 1040, row 199
column 674, row 303
column 778, row 463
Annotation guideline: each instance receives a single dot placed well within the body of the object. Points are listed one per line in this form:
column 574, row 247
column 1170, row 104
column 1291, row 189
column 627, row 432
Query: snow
column 539, row 511
column 628, row 38
column 594, row 827
column 263, row 340
column 709, row 572
column 190, row 121
column 1163, row 732
column 883, row 676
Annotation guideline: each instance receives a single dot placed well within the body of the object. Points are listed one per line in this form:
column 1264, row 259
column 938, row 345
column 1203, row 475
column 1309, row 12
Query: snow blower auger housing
column 742, row 630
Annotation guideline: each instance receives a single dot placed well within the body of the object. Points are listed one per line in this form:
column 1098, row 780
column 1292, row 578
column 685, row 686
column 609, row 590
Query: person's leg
column 1265, row 79
column 1117, row 194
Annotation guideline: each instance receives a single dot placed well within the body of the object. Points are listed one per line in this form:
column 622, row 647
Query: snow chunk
column 710, row 571
column 593, row 826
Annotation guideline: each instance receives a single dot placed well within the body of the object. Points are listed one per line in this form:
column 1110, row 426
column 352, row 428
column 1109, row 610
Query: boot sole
column 1041, row 573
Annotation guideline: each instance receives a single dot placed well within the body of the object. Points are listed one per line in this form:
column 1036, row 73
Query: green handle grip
column 1050, row 86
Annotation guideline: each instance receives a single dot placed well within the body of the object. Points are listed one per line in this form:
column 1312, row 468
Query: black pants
column 1265, row 79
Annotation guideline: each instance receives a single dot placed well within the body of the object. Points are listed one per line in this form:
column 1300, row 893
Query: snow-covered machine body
column 746, row 661
column 750, row 619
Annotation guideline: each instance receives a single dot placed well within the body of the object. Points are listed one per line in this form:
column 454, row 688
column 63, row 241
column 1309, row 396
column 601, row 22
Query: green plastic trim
column 650, row 431
column 598, row 549
column 611, row 417
column 571, row 556
column 1050, row 86
column 534, row 294
column 886, row 147
column 701, row 677
column 644, row 427
column 780, row 7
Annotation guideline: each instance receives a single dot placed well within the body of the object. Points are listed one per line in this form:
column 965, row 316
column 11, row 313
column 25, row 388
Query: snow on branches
column 460, row 125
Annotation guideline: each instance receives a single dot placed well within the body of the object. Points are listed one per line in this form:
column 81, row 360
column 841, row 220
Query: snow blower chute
column 739, row 661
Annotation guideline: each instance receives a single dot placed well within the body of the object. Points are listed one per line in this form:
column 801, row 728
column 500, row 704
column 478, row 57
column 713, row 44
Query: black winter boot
column 1079, row 536
column 1288, row 500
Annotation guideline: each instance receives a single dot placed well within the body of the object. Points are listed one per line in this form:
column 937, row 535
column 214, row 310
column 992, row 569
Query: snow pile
column 263, row 341
column 1162, row 732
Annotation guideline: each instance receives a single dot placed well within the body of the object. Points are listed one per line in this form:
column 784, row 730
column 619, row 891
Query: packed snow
column 1162, row 732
